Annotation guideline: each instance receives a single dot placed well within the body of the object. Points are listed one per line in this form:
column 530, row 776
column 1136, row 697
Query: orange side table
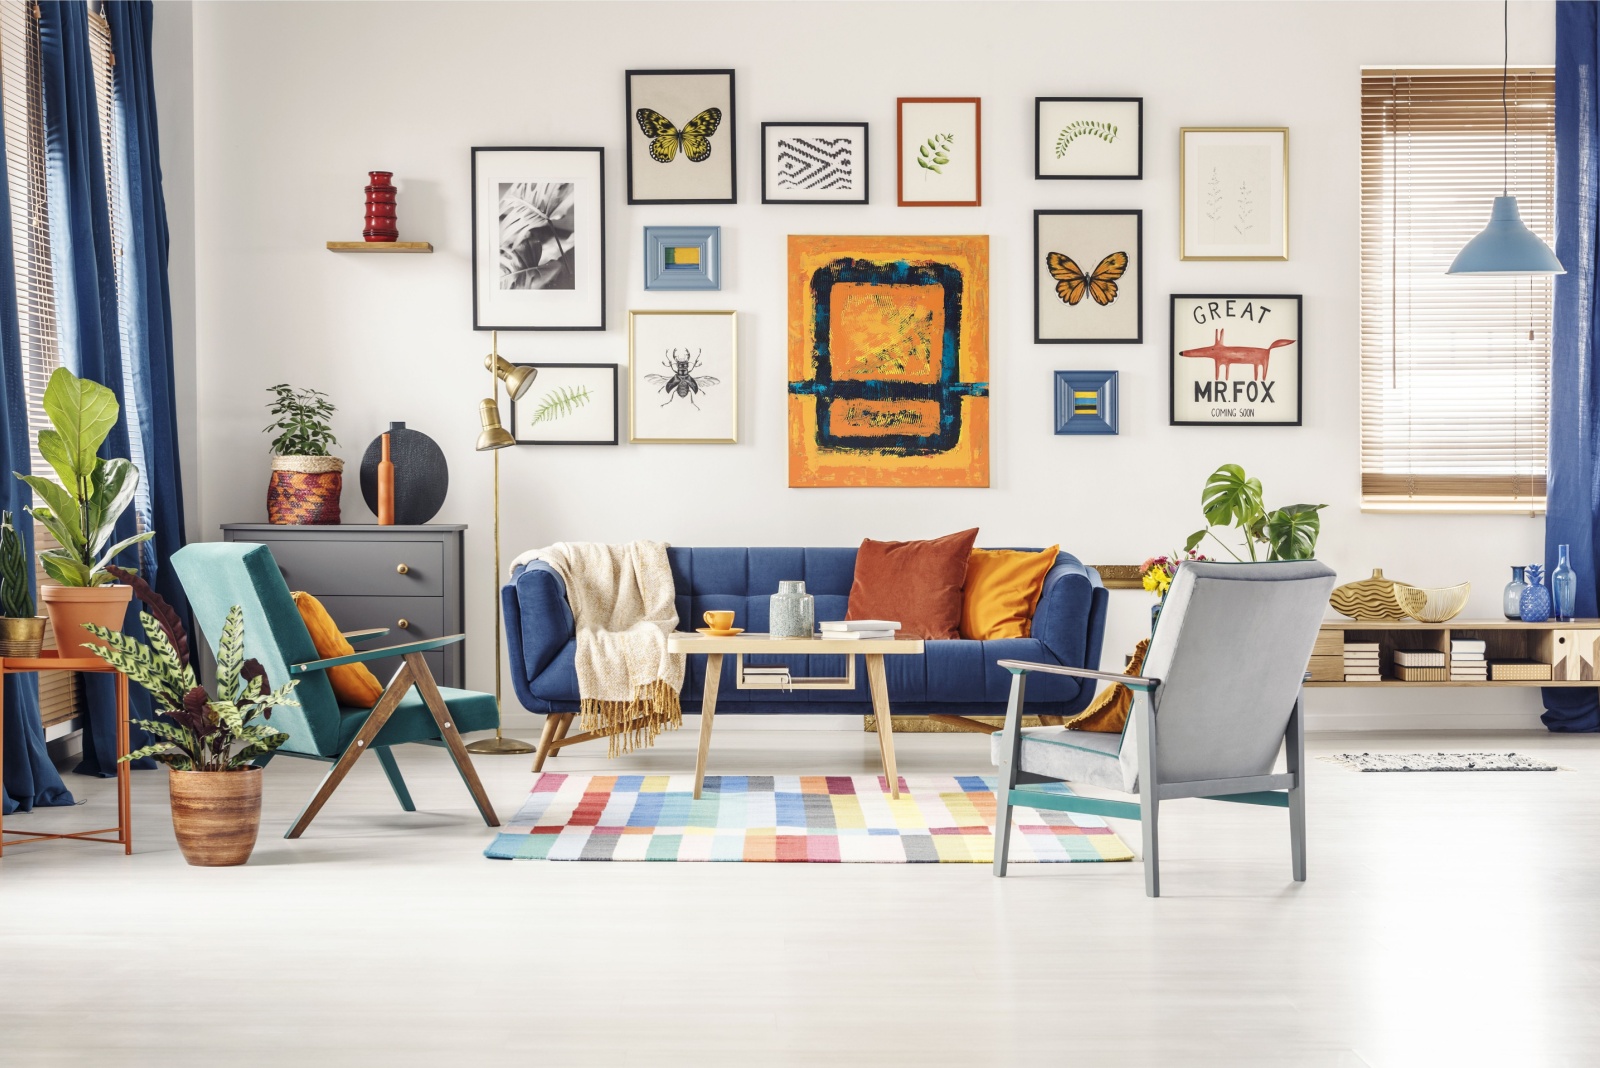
column 51, row 660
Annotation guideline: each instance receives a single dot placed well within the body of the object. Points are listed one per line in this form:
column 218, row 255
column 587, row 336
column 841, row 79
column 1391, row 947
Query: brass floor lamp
column 493, row 438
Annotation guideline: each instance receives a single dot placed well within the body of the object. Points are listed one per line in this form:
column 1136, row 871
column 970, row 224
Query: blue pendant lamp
column 1506, row 246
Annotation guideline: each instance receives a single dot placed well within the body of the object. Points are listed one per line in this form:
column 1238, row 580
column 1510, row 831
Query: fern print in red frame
column 940, row 151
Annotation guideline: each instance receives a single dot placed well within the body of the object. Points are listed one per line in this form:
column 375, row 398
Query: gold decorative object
column 21, row 635
column 493, row 439
column 1435, row 605
column 1120, row 576
column 1371, row 598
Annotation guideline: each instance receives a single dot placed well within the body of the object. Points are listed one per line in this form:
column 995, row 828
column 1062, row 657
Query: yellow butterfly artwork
column 1071, row 281
column 666, row 139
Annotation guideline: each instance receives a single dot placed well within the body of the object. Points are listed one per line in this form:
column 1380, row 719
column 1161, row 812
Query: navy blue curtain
column 1574, row 461
column 28, row 777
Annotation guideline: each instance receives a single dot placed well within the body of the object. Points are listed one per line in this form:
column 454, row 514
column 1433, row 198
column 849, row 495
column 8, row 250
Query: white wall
column 293, row 103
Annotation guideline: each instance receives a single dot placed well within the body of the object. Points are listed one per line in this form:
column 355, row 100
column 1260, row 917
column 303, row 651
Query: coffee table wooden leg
column 124, row 769
column 879, row 685
column 708, row 710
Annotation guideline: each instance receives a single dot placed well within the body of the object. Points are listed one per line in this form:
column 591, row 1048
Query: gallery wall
column 294, row 103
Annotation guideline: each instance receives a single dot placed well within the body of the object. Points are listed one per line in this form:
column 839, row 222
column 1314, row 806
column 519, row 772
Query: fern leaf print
column 560, row 403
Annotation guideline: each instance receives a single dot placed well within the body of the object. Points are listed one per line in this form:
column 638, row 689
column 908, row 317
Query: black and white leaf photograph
column 537, row 238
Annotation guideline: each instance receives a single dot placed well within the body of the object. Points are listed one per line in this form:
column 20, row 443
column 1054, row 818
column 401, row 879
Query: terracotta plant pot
column 21, row 635
column 216, row 815
column 70, row 607
column 305, row 490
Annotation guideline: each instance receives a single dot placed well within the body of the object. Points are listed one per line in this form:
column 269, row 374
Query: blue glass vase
column 1535, row 598
column 1511, row 599
column 1564, row 584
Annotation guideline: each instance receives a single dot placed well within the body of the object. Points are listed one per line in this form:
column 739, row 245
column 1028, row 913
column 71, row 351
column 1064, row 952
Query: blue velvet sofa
column 952, row 677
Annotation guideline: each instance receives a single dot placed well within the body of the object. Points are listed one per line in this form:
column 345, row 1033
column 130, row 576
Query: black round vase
column 421, row 476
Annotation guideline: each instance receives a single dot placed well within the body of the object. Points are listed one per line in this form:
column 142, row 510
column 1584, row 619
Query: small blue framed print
column 1086, row 402
column 683, row 257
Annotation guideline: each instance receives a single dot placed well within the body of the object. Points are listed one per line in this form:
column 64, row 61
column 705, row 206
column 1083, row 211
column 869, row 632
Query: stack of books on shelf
column 859, row 629
column 1361, row 662
column 1419, row 665
column 753, row 676
column 1467, row 663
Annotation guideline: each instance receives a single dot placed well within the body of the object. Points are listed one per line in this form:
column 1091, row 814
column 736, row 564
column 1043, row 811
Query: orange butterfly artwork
column 1071, row 282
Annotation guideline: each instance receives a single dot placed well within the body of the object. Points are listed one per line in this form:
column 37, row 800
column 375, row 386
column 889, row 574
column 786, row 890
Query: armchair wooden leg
column 1294, row 749
column 452, row 738
column 1010, row 753
column 398, row 687
column 1149, row 795
column 397, row 782
column 546, row 736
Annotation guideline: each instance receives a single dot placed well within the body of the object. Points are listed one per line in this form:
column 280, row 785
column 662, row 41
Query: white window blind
column 23, row 104
column 1455, row 370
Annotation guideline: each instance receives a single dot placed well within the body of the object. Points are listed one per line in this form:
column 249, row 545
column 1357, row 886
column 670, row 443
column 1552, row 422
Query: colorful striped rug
column 822, row 819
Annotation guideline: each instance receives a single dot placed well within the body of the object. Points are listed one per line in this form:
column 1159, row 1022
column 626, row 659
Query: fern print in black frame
column 568, row 404
column 1088, row 137
column 680, row 139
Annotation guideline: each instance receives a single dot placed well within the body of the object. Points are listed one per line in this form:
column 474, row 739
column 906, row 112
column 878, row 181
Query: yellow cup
column 719, row 620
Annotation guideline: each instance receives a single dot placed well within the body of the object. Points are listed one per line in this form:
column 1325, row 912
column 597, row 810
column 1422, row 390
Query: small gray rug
column 1438, row 762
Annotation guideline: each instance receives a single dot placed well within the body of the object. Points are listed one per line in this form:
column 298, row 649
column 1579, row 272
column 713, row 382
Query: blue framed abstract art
column 1086, row 402
column 682, row 257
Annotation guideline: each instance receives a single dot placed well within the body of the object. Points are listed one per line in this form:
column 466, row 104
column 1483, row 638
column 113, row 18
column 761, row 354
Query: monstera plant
column 1232, row 498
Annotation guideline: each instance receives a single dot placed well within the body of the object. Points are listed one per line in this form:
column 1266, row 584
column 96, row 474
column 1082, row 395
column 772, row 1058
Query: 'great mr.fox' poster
column 1236, row 360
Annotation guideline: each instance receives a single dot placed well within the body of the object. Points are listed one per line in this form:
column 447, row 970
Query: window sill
column 1532, row 507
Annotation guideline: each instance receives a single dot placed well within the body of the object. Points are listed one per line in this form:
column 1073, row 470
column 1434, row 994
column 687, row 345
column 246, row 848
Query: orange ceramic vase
column 385, row 487
column 70, row 607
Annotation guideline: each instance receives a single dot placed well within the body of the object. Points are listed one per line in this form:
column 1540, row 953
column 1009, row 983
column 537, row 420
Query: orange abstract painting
column 888, row 361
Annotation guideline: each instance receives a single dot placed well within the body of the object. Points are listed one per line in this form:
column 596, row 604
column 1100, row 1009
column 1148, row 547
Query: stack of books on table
column 1467, row 663
column 1420, row 665
column 859, row 629
column 777, row 675
column 1361, row 662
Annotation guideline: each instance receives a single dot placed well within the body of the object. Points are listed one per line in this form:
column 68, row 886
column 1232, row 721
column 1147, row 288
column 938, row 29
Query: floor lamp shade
column 1506, row 246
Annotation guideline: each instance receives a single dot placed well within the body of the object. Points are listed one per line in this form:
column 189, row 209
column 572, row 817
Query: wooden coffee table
column 874, row 650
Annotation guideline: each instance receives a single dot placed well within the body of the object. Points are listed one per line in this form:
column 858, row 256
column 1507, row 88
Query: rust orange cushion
column 1002, row 590
column 353, row 684
column 916, row 583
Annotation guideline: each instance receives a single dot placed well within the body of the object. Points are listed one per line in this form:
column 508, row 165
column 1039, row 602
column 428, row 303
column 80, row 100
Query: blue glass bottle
column 1511, row 599
column 1535, row 598
column 1564, row 584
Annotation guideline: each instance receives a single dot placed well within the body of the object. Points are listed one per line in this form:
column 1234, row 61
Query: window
column 1455, row 370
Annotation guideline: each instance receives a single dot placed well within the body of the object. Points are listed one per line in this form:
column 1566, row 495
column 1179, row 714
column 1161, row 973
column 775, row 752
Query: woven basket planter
column 305, row 490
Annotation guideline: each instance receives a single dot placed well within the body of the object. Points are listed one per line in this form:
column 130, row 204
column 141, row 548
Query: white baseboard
column 524, row 724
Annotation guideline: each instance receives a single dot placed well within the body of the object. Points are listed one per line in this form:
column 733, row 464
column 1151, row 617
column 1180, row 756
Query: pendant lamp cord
column 1505, row 111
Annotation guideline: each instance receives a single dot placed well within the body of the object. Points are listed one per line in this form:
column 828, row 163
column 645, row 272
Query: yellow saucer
column 709, row 633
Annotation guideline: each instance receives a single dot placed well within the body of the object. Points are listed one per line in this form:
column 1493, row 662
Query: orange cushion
column 353, row 684
column 1108, row 712
column 1002, row 590
column 915, row 583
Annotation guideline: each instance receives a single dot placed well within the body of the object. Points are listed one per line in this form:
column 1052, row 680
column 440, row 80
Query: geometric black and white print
column 816, row 163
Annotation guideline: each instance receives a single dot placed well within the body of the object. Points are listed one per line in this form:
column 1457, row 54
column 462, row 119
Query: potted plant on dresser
column 21, row 628
column 206, row 742
column 81, row 510
column 306, row 480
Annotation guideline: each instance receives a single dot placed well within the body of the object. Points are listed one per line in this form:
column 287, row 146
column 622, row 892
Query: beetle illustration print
column 682, row 381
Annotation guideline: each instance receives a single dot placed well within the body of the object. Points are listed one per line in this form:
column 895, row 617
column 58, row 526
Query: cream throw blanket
column 622, row 601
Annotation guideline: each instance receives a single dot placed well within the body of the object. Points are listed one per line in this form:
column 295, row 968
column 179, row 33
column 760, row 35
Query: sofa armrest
column 539, row 622
column 1070, row 619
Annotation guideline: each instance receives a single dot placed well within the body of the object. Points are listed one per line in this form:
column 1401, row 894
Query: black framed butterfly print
column 681, row 137
column 538, row 239
column 1089, row 277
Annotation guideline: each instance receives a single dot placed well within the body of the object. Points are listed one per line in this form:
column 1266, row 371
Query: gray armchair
column 1219, row 695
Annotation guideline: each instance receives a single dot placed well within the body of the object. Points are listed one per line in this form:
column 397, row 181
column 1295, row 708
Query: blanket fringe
column 628, row 725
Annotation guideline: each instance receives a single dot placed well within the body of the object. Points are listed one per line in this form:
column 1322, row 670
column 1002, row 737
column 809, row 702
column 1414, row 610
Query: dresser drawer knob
column 404, row 624
column 403, row 570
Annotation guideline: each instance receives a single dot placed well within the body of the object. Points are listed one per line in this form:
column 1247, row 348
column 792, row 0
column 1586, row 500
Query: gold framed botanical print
column 1233, row 193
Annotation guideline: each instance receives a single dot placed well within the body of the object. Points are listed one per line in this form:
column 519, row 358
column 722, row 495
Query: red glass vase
column 380, row 223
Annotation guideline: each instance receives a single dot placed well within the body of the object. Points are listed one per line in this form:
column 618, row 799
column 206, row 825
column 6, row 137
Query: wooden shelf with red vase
column 380, row 246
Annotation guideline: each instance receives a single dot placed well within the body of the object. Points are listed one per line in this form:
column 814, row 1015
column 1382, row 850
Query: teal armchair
column 413, row 708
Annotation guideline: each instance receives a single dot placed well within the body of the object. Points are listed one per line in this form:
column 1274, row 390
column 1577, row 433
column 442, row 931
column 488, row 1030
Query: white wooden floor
column 1450, row 919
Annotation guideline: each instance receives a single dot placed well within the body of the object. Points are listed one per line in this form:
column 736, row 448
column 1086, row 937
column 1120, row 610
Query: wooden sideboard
column 406, row 578
column 1571, row 647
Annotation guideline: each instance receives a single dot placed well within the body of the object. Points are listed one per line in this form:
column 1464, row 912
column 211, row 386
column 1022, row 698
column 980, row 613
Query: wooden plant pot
column 21, row 636
column 70, row 607
column 216, row 815
column 305, row 490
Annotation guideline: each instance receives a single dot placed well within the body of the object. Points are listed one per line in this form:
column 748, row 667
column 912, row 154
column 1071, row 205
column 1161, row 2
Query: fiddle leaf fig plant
column 1231, row 498
column 81, row 509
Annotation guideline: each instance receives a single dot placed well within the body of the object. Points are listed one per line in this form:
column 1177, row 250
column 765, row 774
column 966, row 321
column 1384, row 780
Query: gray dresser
column 404, row 578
